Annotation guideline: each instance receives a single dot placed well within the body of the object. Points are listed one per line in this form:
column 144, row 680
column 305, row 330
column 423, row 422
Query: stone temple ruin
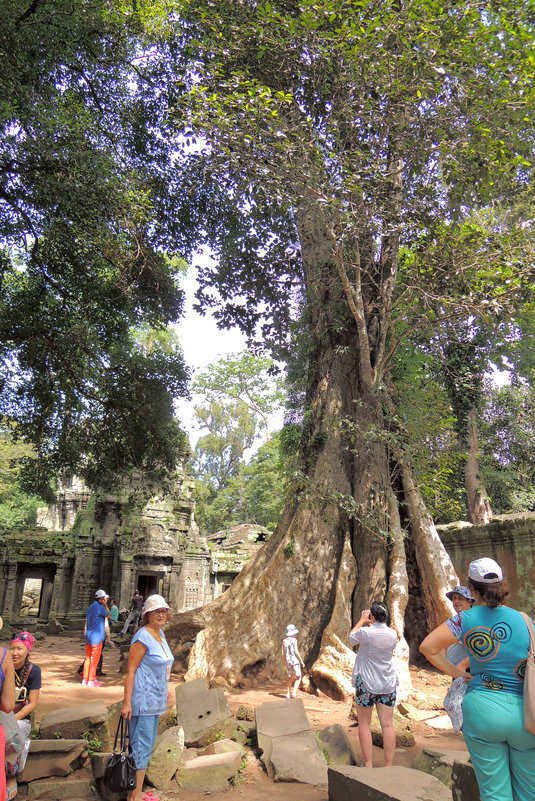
column 139, row 541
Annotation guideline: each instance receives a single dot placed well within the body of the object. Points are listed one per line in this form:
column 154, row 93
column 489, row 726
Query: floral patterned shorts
column 364, row 697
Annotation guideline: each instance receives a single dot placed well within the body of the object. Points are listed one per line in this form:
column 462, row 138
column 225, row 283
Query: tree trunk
column 479, row 509
column 357, row 528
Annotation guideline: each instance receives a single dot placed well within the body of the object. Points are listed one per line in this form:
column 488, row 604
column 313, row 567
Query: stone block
column 165, row 758
column 99, row 762
column 210, row 773
column 222, row 747
column 441, row 723
column 414, row 713
column 464, row 786
column 113, row 713
column 107, row 795
column 246, row 726
column 60, row 790
column 404, row 737
column 438, row 763
column 53, row 628
column 276, row 719
column 203, row 714
column 72, row 721
column 384, row 784
column 334, row 742
column 297, row 758
column 48, row 758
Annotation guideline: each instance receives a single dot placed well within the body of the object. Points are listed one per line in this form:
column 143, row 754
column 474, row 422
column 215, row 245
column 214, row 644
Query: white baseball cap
column 485, row 570
column 101, row 594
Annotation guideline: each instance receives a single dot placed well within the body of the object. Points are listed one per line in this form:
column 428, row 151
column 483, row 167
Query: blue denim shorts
column 364, row 697
column 143, row 730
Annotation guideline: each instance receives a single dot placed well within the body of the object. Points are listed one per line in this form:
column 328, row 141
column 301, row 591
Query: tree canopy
column 83, row 263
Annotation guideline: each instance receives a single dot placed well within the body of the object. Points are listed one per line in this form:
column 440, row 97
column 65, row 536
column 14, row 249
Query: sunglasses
column 21, row 637
column 160, row 611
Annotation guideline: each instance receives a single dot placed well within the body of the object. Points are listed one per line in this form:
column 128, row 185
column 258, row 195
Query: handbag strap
column 122, row 735
column 529, row 624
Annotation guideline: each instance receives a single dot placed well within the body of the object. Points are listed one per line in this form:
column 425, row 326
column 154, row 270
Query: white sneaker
column 287, row 695
column 84, row 683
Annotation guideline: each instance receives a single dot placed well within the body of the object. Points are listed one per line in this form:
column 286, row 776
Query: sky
column 202, row 343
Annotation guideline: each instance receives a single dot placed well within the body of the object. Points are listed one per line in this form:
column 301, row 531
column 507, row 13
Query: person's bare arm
column 135, row 655
column 26, row 710
column 7, row 699
column 442, row 637
column 298, row 655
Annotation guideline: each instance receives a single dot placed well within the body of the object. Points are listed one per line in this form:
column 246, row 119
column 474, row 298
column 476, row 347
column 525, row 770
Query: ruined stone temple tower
column 143, row 539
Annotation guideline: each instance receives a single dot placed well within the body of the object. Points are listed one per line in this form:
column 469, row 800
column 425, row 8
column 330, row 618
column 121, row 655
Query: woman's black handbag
column 120, row 772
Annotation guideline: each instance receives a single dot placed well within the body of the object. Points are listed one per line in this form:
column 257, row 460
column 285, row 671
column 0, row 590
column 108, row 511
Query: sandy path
column 59, row 658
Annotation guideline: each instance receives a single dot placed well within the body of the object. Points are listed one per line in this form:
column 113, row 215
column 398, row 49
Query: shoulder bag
column 120, row 772
column 14, row 738
column 529, row 680
column 21, row 691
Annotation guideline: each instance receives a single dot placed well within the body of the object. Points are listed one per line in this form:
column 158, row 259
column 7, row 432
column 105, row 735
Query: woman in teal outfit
column 497, row 640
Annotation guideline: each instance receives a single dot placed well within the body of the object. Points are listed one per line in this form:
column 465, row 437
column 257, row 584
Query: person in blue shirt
column 145, row 689
column 95, row 614
column 497, row 640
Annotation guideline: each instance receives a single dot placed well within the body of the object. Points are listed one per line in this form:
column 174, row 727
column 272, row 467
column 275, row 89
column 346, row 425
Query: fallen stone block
column 438, row 763
column 99, row 762
column 464, row 786
column 48, row 758
column 222, row 747
column 53, row 628
column 414, row 713
column 278, row 719
column 442, row 723
column 210, row 773
column 248, row 727
column 107, row 795
column 384, row 784
column 404, row 737
column 73, row 721
column 203, row 714
column 60, row 789
column 297, row 758
column 334, row 743
column 165, row 758
column 113, row 713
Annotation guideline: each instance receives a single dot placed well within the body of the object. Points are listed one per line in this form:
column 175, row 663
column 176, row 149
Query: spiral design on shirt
column 520, row 670
column 481, row 643
column 502, row 632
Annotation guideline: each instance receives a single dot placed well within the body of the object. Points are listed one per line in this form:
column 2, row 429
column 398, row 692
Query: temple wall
column 510, row 540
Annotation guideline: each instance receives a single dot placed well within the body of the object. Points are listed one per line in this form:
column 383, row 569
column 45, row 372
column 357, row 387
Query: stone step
column 384, row 784
column 61, row 789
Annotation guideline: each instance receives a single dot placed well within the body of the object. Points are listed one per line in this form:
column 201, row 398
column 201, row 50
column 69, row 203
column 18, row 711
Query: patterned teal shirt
column 497, row 642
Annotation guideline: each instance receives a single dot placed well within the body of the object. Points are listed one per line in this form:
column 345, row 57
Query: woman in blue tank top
column 497, row 641
column 145, row 690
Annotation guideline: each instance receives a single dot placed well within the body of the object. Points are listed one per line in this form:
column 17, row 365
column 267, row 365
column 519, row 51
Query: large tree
column 82, row 264
column 347, row 145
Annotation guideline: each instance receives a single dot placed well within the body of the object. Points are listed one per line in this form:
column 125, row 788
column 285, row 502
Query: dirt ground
column 59, row 658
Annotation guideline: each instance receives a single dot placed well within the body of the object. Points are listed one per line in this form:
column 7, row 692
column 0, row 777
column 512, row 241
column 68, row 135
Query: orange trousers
column 92, row 655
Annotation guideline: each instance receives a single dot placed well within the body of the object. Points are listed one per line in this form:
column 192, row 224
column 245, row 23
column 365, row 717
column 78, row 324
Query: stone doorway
column 35, row 585
column 149, row 583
